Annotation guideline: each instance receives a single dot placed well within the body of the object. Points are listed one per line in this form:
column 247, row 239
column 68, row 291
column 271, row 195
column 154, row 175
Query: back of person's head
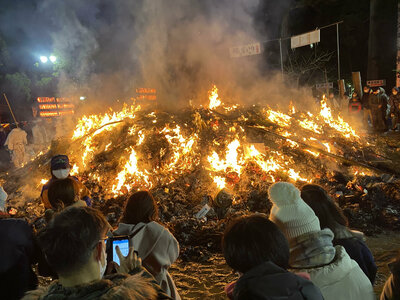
column 70, row 238
column 249, row 241
column 61, row 193
column 140, row 208
column 328, row 213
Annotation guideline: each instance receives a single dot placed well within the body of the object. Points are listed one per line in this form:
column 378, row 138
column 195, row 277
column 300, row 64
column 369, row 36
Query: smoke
column 107, row 49
column 179, row 47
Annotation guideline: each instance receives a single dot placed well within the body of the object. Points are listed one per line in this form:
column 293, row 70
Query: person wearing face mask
column 60, row 168
column 74, row 246
column 394, row 101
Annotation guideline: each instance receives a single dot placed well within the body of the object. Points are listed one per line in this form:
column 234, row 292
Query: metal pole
column 8, row 103
column 280, row 48
column 338, row 49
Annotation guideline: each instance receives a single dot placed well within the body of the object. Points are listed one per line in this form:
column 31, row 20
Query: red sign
column 54, row 107
column 375, row 83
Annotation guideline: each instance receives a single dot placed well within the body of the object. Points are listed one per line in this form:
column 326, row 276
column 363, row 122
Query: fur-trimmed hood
column 117, row 286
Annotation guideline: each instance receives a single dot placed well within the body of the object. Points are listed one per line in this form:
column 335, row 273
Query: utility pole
column 338, row 49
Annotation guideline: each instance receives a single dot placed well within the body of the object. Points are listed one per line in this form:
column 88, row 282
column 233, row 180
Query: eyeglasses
column 100, row 240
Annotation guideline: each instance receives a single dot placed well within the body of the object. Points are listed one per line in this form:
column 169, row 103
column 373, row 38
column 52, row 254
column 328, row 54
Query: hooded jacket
column 116, row 286
column 157, row 248
column 354, row 244
column 268, row 281
column 341, row 279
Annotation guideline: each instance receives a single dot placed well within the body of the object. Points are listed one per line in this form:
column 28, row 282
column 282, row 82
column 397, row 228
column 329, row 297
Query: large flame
column 214, row 98
column 228, row 158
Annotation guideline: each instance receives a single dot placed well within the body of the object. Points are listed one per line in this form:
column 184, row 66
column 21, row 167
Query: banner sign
column 305, row 39
column 53, row 107
column 245, row 50
column 376, row 83
column 324, row 85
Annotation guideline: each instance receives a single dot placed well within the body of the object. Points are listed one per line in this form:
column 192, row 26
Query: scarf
column 312, row 249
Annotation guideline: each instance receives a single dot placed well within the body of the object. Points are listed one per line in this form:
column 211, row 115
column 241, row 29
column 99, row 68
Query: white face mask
column 61, row 174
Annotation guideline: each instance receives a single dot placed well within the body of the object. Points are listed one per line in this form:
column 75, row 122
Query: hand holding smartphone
column 118, row 251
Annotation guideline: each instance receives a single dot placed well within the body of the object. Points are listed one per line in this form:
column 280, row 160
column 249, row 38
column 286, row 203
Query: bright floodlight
column 44, row 59
column 53, row 58
column 82, row 98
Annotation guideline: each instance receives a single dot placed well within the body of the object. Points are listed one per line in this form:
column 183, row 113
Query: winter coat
column 79, row 188
column 341, row 279
column 391, row 290
column 365, row 100
column 354, row 106
column 157, row 248
column 268, row 281
column 354, row 244
column 17, row 255
column 140, row 286
column 394, row 101
column 16, row 137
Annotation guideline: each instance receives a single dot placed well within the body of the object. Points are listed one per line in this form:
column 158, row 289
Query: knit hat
column 59, row 162
column 292, row 215
column 3, row 198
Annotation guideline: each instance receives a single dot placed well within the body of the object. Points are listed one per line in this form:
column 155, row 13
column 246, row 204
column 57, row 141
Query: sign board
column 305, row 39
column 245, row 50
column 53, row 107
column 375, row 83
column 146, row 94
column 324, row 85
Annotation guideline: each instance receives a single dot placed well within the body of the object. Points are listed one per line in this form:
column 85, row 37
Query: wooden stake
column 9, row 106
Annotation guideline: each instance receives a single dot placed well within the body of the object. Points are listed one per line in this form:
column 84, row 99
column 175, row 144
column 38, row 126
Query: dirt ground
column 207, row 280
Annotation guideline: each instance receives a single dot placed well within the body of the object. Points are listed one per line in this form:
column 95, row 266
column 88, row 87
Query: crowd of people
column 374, row 110
column 304, row 249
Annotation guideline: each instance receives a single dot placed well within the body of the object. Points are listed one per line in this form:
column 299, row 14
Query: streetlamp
column 43, row 59
column 52, row 58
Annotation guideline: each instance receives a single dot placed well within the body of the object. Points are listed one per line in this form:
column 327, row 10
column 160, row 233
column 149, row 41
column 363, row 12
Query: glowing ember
column 279, row 118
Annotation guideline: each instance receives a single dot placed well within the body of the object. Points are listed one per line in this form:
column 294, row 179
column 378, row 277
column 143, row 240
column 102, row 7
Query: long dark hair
column 140, row 208
column 328, row 213
column 249, row 241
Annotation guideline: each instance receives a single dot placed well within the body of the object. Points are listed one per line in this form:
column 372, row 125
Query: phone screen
column 123, row 246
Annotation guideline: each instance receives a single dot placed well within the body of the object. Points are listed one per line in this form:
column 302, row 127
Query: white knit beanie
column 3, row 198
column 292, row 215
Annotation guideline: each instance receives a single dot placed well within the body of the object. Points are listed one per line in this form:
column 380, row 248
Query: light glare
column 53, row 58
column 44, row 59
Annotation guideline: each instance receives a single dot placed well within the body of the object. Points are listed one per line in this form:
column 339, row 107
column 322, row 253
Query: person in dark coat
column 256, row 248
column 330, row 216
column 377, row 106
column 365, row 106
column 391, row 290
column 394, row 101
column 17, row 250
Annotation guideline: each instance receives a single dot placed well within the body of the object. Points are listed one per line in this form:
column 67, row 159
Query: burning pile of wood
column 222, row 156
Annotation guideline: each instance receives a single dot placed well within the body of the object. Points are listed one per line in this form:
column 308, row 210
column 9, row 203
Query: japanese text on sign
column 245, row 50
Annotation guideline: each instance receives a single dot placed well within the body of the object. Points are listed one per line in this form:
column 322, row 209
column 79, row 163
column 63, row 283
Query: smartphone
column 122, row 242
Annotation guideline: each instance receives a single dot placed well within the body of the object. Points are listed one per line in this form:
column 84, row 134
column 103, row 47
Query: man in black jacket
column 74, row 245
